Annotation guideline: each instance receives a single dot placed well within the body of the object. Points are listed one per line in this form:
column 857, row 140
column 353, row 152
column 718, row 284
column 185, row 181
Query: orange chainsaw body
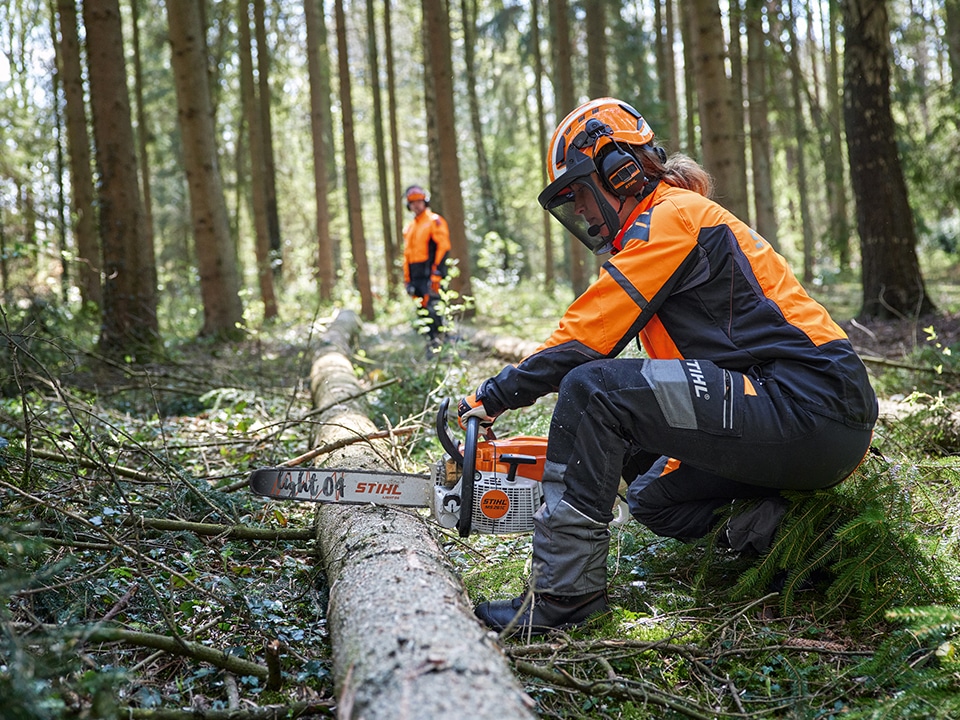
column 490, row 452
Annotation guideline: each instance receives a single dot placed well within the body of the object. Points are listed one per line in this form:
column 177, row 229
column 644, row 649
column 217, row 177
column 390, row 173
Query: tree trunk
column 78, row 150
column 598, row 84
column 259, row 193
column 669, row 136
column 129, row 313
column 549, row 272
column 317, row 64
column 354, row 210
column 801, row 135
column 566, row 101
column 264, row 106
column 430, row 112
column 439, row 65
column 405, row 642
column 952, row 40
column 488, row 200
column 143, row 132
column 391, row 276
column 394, row 132
column 718, row 117
column 766, row 217
column 60, row 203
column 838, row 233
column 216, row 254
column 739, row 115
column 892, row 284
column 691, row 146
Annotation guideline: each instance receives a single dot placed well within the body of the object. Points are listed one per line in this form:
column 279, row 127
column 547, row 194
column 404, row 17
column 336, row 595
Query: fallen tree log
column 511, row 349
column 405, row 641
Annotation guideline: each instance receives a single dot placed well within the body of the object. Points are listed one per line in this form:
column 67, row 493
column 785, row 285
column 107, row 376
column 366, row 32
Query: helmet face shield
column 589, row 169
column 575, row 199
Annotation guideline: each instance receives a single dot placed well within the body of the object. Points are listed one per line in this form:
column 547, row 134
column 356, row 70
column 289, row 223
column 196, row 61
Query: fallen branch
column 405, row 642
column 886, row 362
column 322, row 708
column 612, row 688
column 344, row 442
column 174, row 646
column 88, row 464
column 234, row 532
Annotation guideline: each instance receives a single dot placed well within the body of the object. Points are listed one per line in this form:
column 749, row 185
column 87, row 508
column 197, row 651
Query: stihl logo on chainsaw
column 383, row 490
column 495, row 504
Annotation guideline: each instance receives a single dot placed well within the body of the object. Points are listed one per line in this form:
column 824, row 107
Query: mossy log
column 405, row 641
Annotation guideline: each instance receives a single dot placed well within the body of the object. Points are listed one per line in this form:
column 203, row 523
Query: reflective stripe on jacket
column 693, row 281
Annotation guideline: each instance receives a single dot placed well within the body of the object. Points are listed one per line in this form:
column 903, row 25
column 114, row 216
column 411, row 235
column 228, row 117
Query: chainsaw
column 490, row 487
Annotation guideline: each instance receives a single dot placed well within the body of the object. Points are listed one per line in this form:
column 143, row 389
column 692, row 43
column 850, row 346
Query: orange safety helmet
column 595, row 138
column 415, row 192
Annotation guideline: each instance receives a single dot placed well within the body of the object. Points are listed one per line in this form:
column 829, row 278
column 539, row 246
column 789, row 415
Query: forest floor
column 174, row 440
column 898, row 339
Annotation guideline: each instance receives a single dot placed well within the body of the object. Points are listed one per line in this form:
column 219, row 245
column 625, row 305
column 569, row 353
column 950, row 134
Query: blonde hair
column 677, row 170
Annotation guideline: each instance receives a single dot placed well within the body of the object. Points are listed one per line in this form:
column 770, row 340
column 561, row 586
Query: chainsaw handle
column 443, row 434
column 467, row 460
column 465, row 523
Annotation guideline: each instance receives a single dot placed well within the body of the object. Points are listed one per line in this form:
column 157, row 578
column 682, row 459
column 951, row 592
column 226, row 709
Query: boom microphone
column 594, row 230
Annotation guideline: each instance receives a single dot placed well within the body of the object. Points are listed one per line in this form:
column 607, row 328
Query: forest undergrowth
column 139, row 579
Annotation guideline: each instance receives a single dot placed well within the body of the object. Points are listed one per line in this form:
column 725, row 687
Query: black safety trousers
column 628, row 417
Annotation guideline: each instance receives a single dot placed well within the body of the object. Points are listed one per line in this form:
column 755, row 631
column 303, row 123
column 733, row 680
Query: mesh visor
column 558, row 197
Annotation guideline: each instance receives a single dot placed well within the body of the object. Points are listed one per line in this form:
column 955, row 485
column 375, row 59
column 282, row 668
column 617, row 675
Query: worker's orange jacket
column 426, row 244
column 693, row 281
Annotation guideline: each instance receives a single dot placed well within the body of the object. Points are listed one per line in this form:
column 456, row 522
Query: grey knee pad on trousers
column 569, row 551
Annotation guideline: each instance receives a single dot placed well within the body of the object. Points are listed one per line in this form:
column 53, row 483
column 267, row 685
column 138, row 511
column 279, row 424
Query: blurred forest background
column 202, row 158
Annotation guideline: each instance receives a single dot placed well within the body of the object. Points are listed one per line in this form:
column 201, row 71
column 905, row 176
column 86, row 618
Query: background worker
column 751, row 388
column 426, row 244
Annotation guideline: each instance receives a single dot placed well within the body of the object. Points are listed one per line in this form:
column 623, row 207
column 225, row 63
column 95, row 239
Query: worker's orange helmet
column 595, row 141
column 415, row 192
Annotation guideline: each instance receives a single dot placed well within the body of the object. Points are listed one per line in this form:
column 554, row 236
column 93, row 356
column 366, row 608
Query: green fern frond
column 928, row 619
column 864, row 537
column 916, row 666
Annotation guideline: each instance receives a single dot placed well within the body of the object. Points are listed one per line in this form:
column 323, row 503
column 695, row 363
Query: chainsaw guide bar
column 491, row 487
column 349, row 487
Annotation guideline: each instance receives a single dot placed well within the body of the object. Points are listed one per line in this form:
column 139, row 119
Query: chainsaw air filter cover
column 502, row 507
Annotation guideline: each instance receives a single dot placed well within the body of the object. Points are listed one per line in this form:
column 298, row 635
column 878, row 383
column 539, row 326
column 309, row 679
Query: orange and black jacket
column 693, row 281
column 426, row 246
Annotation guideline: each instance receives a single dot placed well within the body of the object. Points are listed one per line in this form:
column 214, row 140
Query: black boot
column 545, row 613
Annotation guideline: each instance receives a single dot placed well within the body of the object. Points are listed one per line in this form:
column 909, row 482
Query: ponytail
column 677, row 170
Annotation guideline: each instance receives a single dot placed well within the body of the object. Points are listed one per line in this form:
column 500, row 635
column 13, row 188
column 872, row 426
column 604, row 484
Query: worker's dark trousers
column 627, row 417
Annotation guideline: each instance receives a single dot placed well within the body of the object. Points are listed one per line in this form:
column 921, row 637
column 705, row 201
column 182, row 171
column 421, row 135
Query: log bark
column 405, row 641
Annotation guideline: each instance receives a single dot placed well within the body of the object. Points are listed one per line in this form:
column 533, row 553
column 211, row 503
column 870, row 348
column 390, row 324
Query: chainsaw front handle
column 467, row 480
column 467, row 460
column 443, row 433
